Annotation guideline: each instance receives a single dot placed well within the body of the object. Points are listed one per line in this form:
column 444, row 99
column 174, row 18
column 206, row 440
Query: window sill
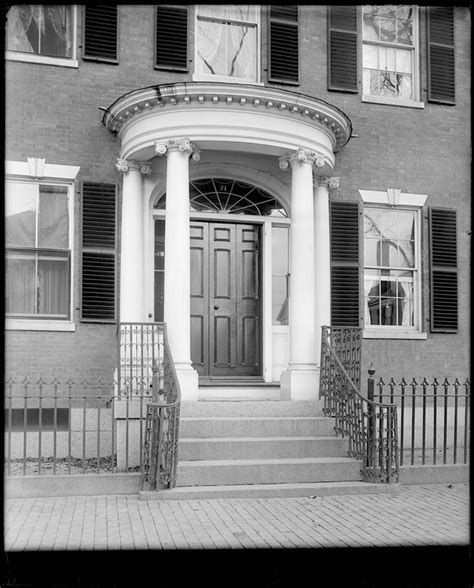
column 392, row 101
column 41, row 59
column 38, row 325
column 393, row 334
column 230, row 80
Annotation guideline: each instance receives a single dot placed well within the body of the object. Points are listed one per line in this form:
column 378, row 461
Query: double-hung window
column 42, row 33
column 38, row 247
column 226, row 44
column 392, row 260
column 390, row 54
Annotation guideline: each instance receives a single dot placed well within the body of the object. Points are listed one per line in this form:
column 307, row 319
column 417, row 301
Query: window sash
column 396, row 319
column 36, row 290
column 29, row 29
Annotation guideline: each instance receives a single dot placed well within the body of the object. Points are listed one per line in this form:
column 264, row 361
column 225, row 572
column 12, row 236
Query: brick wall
column 53, row 112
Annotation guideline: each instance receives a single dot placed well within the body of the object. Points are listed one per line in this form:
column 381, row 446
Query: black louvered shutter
column 99, row 204
column 283, row 47
column 100, row 32
column 441, row 82
column 345, row 264
column 342, row 48
column 444, row 270
column 171, row 37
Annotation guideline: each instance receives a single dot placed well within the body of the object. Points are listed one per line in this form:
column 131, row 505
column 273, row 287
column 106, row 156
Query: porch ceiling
column 238, row 117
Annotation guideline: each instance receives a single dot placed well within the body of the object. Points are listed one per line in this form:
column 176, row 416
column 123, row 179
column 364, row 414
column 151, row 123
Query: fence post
column 371, row 425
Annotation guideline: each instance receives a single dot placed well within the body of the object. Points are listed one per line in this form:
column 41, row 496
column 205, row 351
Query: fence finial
column 371, row 370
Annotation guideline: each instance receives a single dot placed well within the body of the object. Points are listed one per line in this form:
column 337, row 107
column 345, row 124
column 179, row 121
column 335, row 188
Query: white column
column 300, row 380
column 322, row 256
column 132, row 307
column 177, row 306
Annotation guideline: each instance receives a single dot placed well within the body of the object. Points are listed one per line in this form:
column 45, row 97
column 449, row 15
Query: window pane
column 405, row 32
column 40, row 29
column 241, row 51
column 371, row 56
column 406, row 225
column 20, row 284
column 280, row 267
column 20, row 213
column 370, row 27
column 371, row 247
column 406, row 256
column 211, row 50
column 388, row 31
column 404, row 64
column 53, row 285
column 53, row 222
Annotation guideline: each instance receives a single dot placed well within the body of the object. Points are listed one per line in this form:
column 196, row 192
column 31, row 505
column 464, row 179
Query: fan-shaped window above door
column 219, row 195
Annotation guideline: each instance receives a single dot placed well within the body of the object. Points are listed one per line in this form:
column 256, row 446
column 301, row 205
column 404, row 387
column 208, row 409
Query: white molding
column 38, row 325
column 392, row 101
column 395, row 334
column 406, row 199
column 51, row 171
column 41, row 59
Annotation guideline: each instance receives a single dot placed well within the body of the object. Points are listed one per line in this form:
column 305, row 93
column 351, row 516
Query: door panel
column 225, row 299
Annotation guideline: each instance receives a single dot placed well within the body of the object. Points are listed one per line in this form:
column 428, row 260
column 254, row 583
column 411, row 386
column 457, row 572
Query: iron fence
column 54, row 427
column 370, row 426
column 434, row 419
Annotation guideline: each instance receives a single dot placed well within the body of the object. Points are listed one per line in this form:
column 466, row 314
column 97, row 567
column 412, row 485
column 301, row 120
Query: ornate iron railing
column 160, row 448
column 371, row 427
column 346, row 343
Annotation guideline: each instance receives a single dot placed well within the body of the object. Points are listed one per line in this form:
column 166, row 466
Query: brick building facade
column 63, row 108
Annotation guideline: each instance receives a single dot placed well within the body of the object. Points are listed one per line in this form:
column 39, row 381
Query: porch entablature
column 230, row 116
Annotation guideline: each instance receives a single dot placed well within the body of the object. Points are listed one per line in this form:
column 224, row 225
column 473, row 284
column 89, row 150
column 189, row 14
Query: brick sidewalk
column 417, row 516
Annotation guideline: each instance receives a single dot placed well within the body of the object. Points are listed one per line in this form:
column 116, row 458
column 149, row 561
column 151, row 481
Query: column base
column 299, row 384
column 188, row 380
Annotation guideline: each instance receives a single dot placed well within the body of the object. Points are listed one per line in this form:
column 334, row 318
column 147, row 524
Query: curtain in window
column 40, row 29
column 53, row 221
column 52, row 285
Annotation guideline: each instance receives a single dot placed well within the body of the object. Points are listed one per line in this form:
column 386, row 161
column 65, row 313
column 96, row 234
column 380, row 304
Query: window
column 41, row 33
column 227, row 42
column 280, row 274
column 38, row 250
column 390, row 267
column 390, row 53
column 392, row 263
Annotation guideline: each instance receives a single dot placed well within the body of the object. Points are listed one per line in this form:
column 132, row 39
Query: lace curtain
column 40, row 29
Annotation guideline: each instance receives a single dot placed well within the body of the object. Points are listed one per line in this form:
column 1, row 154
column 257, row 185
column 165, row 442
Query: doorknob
column 216, row 307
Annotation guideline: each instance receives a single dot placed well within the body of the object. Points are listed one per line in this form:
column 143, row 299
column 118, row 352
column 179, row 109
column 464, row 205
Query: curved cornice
column 323, row 115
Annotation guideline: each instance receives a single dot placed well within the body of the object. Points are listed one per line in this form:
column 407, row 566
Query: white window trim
column 416, row 202
column 198, row 77
column 53, row 174
column 46, row 59
column 415, row 102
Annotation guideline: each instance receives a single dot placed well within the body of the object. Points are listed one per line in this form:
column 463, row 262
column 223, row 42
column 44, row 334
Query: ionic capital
column 125, row 165
column 182, row 145
column 301, row 156
column 329, row 182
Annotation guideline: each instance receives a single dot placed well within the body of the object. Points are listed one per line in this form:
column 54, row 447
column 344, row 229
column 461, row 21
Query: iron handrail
column 370, row 426
column 160, row 448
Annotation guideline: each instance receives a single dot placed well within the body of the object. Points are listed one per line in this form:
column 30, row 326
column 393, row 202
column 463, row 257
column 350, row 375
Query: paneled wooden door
column 225, row 299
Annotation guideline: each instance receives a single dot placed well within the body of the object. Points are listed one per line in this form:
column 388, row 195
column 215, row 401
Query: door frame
column 266, row 271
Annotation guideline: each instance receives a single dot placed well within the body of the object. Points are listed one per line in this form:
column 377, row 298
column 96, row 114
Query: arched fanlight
column 219, row 195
